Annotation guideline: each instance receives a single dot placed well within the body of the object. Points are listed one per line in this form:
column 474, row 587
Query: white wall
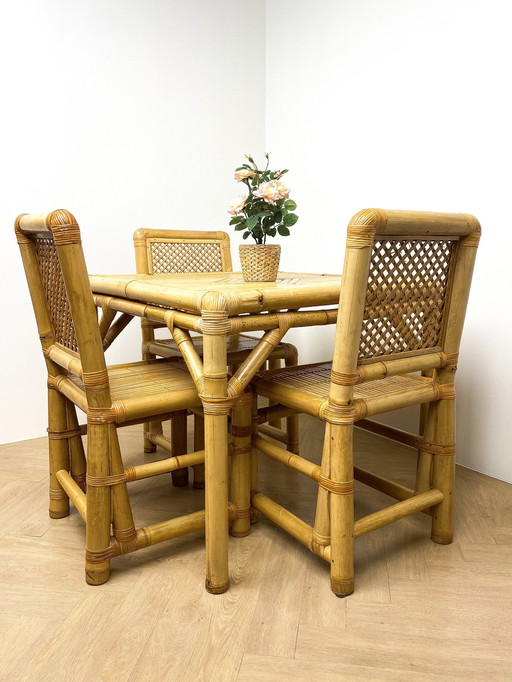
column 134, row 114
column 404, row 104
column 129, row 114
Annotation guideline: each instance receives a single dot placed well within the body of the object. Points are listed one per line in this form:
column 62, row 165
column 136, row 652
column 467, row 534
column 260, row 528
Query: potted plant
column 266, row 210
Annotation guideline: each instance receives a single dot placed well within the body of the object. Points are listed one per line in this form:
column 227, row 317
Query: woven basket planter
column 260, row 262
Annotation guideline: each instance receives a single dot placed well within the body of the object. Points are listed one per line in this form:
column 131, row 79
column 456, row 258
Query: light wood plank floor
column 420, row 611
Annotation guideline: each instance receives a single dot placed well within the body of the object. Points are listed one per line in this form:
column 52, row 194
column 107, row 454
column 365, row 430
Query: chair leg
column 424, row 463
column 78, row 465
column 123, row 526
column 292, row 423
column 274, row 364
column 198, row 445
column 179, row 446
column 148, row 334
column 151, row 428
column 97, row 534
column 58, row 447
column 241, row 431
column 441, row 418
column 254, row 513
column 339, row 440
column 322, row 526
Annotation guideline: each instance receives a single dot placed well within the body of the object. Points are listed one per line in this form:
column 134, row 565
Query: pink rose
column 272, row 191
column 244, row 174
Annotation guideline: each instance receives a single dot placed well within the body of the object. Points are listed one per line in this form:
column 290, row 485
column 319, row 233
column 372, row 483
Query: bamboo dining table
column 218, row 305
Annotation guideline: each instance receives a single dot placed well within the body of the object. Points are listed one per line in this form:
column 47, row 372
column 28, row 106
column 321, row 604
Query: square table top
column 193, row 292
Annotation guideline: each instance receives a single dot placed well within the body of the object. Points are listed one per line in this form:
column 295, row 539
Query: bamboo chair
column 180, row 251
column 73, row 347
column 405, row 288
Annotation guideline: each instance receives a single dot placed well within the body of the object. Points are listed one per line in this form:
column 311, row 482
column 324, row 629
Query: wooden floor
column 420, row 611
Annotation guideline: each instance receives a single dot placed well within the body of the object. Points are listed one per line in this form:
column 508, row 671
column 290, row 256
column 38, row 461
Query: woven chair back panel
column 194, row 256
column 405, row 298
column 55, row 292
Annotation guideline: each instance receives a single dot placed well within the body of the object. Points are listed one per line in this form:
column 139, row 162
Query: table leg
column 216, row 408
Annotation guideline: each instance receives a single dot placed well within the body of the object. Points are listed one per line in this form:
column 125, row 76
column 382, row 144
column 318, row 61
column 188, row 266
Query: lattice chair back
column 159, row 252
column 66, row 317
column 405, row 287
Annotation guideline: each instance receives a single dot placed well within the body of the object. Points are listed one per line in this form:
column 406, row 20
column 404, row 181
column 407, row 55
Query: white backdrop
column 404, row 104
column 129, row 114
column 134, row 114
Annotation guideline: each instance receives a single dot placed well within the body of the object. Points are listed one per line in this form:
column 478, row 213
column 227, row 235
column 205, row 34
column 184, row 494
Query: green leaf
column 240, row 226
column 252, row 221
column 263, row 214
column 246, row 234
column 290, row 205
column 283, row 231
column 290, row 219
column 236, row 219
column 272, row 232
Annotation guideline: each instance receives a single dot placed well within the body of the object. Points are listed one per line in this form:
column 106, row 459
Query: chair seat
column 149, row 387
column 239, row 346
column 306, row 387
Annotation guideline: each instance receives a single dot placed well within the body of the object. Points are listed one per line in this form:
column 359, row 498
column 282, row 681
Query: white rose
column 236, row 205
column 282, row 189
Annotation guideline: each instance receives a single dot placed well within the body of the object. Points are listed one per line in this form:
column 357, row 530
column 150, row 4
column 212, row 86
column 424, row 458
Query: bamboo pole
column 122, row 517
column 241, row 431
column 73, row 491
column 389, row 432
column 77, row 461
column 292, row 421
column 187, row 349
column 246, row 371
column 58, row 452
column 199, row 446
column 275, row 434
column 290, row 459
column 397, row 511
column 441, row 423
column 342, row 510
column 65, row 358
column 422, row 393
column 97, row 540
column 216, row 408
column 384, row 485
column 274, row 364
column 322, row 524
column 113, row 332
column 265, row 414
column 179, row 446
column 163, row 466
column 159, row 439
column 152, row 313
column 160, row 532
column 106, row 319
column 283, row 518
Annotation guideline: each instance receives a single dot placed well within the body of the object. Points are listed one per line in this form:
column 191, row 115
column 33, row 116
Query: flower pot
column 260, row 262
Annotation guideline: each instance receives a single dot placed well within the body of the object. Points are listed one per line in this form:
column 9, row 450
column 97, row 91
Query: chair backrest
column 66, row 317
column 406, row 282
column 159, row 252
